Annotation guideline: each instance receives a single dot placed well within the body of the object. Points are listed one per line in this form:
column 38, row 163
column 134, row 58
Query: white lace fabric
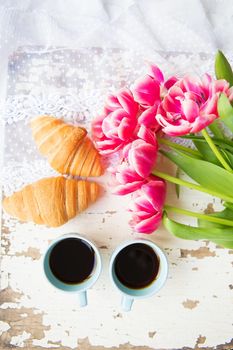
column 72, row 85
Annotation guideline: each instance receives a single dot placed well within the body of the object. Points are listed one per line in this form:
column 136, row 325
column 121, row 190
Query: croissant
column 51, row 201
column 67, row 148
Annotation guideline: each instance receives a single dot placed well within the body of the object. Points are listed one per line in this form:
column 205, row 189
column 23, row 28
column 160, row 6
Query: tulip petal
column 156, row 73
column 96, row 127
column 125, row 129
column 127, row 188
column 220, row 86
column 142, row 157
column 170, row 82
column 148, row 135
column 190, row 109
column 108, row 146
column 171, row 105
column 206, row 83
column 148, row 225
column 127, row 176
column 146, row 91
column 141, row 203
column 191, row 83
column 112, row 102
column 155, row 192
column 202, row 122
column 210, row 106
column 126, row 100
column 147, row 118
column 177, row 128
column 176, row 91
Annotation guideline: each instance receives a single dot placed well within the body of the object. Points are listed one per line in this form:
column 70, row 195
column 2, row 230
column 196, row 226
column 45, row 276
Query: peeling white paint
column 44, row 343
column 5, row 306
column 18, row 340
column 4, row 326
column 4, row 278
column 69, row 323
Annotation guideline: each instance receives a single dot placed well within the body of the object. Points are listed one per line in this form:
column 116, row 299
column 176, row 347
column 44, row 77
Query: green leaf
column 229, row 156
column 176, row 146
column 228, row 205
column 196, row 156
column 224, row 244
column 206, row 152
column 224, row 214
column 220, row 236
column 223, row 68
column 177, row 186
column 209, row 224
column 225, row 111
column 225, row 144
column 216, row 130
column 206, row 174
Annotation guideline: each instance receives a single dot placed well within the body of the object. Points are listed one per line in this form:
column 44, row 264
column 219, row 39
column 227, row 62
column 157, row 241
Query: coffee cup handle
column 126, row 302
column 83, row 298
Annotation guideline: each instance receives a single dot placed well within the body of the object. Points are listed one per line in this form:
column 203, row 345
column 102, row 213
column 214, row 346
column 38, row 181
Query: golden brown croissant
column 51, row 201
column 67, row 148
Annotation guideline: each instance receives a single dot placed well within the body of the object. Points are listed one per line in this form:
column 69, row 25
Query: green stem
column 191, row 185
column 215, row 150
column 177, row 146
column 199, row 216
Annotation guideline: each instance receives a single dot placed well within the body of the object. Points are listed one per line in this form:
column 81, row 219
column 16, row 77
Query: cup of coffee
column 72, row 264
column 138, row 268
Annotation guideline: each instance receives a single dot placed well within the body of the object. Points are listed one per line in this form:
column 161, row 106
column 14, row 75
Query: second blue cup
column 138, row 269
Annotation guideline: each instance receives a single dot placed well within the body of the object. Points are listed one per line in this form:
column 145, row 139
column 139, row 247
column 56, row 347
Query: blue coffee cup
column 129, row 294
column 79, row 288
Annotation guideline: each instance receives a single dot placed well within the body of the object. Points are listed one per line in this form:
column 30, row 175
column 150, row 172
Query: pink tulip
column 190, row 105
column 147, row 205
column 148, row 120
column 147, row 135
column 125, row 179
column 139, row 158
column 142, row 156
column 115, row 127
column 148, row 90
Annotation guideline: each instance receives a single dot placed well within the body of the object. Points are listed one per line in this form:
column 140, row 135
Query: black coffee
column 137, row 265
column 72, row 260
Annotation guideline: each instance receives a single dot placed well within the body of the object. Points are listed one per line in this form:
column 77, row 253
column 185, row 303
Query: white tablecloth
column 167, row 25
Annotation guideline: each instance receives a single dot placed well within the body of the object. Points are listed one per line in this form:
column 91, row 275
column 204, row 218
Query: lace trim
column 25, row 107
column 78, row 82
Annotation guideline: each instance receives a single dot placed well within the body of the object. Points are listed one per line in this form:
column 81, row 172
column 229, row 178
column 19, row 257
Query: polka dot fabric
column 72, row 85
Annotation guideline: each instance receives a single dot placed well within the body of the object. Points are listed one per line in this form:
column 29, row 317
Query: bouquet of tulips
column 150, row 117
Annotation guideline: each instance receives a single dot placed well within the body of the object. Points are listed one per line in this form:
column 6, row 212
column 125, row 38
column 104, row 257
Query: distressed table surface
column 195, row 308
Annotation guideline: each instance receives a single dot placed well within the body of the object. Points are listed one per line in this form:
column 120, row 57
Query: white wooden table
column 193, row 311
